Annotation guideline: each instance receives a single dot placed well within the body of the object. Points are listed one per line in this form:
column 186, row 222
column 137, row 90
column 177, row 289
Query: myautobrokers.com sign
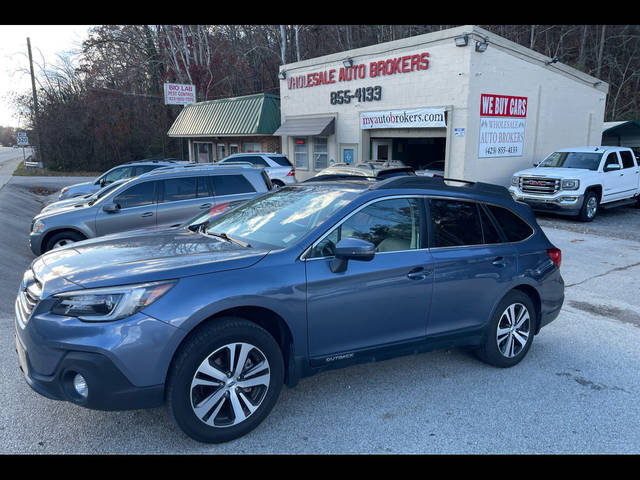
column 413, row 118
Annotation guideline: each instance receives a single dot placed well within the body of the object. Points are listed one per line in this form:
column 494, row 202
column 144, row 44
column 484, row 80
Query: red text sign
column 503, row 106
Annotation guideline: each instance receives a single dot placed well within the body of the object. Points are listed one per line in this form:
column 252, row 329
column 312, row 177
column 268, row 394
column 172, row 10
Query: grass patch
column 21, row 171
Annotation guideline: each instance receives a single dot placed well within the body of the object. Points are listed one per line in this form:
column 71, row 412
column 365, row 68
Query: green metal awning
column 251, row 115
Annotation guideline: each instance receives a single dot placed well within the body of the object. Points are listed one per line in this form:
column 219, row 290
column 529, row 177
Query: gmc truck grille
column 539, row 185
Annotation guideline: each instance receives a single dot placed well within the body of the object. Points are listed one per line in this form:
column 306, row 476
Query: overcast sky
column 47, row 41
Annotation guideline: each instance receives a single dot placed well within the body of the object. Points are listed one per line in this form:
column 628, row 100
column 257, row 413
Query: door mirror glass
column 354, row 249
column 611, row 166
column 111, row 208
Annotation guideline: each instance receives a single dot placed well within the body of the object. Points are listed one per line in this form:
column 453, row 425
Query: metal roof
column 251, row 115
column 630, row 126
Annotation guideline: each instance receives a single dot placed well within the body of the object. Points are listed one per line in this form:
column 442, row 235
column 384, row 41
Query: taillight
column 555, row 254
column 291, row 173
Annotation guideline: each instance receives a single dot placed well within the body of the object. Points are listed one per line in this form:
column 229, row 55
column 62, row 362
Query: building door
column 381, row 150
column 203, row 152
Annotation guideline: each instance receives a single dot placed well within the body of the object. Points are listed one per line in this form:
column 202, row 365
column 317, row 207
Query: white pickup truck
column 578, row 181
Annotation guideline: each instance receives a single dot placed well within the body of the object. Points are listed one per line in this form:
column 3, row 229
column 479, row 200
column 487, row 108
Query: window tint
column 255, row 160
column 140, row 169
column 231, row 184
column 455, row 223
column 612, row 159
column 281, row 160
column 136, row 196
column 118, row 173
column 514, row 228
column 176, row 189
column 627, row 159
column 391, row 225
column 489, row 231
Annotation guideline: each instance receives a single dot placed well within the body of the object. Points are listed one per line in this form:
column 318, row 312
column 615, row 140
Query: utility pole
column 35, row 105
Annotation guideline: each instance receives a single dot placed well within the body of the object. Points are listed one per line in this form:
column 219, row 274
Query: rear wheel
column 225, row 380
column 510, row 331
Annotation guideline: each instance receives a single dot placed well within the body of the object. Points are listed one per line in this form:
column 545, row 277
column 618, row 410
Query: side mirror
column 111, row 208
column 535, row 164
column 612, row 167
column 354, row 249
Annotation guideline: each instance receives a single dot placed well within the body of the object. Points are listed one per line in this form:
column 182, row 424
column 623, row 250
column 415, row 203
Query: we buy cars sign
column 502, row 126
column 179, row 94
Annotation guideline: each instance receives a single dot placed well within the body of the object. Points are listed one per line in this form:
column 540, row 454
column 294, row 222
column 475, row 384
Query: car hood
column 554, row 172
column 57, row 210
column 143, row 257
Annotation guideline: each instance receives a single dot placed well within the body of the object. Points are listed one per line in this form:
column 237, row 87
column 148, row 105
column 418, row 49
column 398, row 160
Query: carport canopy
column 317, row 126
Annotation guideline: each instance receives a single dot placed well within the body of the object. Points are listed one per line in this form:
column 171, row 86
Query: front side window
column 455, row 223
column 136, row 196
column 117, row 174
column 391, row 225
column 611, row 161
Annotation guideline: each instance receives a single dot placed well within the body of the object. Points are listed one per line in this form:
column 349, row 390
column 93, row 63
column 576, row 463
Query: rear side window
column 176, row 189
column 231, row 184
column 489, row 231
column 136, row 196
column 281, row 160
column 627, row 159
column 514, row 228
column 455, row 223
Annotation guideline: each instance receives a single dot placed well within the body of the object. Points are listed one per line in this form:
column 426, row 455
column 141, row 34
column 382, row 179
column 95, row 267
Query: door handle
column 205, row 205
column 418, row 273
column 147, row 214
column 499, row 262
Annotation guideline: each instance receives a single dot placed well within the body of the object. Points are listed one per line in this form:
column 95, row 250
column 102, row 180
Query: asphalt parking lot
column 577, row 391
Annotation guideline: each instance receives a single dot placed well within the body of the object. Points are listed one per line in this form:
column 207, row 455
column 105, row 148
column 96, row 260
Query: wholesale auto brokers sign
column 502, row 126
column 179, row 94
column 413, row 118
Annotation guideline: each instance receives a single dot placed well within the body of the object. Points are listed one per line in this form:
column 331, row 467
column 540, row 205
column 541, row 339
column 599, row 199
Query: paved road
column 10, row 158
column 578, row 391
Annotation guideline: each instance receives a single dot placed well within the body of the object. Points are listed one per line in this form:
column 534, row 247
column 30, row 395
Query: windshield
column 584, row 160
column 283, row 217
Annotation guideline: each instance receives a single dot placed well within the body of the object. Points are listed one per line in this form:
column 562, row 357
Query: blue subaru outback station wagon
column 305, row 278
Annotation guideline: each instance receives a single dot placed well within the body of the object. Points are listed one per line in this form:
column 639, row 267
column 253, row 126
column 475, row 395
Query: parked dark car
column 372, row 171
column 305, row 278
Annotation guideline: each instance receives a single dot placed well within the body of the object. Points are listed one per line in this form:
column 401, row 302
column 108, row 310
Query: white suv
column 277, row 166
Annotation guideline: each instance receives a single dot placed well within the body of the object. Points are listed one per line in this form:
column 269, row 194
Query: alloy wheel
column 230, row 385
column 592, row 207
column 514, row 328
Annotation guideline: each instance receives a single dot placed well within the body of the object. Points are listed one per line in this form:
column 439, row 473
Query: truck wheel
column 62, row 239
column 590, row 207
column 225, row 380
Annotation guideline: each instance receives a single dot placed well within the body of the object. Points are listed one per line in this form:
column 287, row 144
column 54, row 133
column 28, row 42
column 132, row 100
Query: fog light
column 80, row 384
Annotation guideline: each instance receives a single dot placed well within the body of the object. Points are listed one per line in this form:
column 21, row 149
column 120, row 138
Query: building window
column 251, row 147
column 204, row 152
column 220, row 153
column 320, row 152
column 233, row 148
column 300, row 153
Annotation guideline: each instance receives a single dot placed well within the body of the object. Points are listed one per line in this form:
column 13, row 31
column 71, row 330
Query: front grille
column 28, row 297
column 539, row 185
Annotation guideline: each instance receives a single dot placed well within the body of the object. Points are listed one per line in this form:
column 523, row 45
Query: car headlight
column 37, row 226
column 108, row 304
column 570, row 184
column 515, row 180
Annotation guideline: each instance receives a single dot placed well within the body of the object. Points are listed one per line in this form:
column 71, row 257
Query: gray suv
column 158, row 198
column 126, row 170
column 277, row 166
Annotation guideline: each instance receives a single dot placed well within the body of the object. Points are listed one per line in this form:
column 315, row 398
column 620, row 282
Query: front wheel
column 225, row 380
column 590, row 207
column 510, row 331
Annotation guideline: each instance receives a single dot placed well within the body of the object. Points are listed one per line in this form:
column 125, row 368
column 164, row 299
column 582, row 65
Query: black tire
column 63, row 238
column 220, row 399
column 277, row 183
column 587, row 213
column 496, row 350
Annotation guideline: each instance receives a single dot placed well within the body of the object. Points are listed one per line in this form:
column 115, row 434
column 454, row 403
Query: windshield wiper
column 223, row 236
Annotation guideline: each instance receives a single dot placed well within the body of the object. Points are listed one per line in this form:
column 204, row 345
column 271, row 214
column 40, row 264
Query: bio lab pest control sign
column 179, row 94
column 502, row 126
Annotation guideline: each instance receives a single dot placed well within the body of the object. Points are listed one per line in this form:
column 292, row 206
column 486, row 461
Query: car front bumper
column 121, row 361
column 562, row 202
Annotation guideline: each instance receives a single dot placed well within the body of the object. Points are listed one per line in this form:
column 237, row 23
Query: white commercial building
column 484, row 104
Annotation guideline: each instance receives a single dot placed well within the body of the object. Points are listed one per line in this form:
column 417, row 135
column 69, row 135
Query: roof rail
column 419, row 181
